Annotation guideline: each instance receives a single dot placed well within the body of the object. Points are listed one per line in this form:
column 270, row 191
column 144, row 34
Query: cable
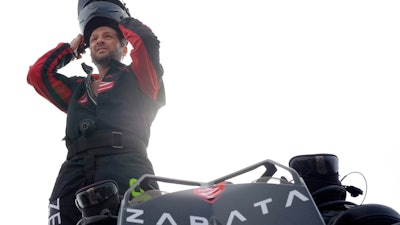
column 354, row 191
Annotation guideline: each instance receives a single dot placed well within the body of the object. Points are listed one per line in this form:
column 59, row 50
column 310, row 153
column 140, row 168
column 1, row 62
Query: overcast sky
column 245, row 81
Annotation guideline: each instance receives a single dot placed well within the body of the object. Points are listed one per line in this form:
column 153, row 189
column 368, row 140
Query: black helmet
column 95, row 13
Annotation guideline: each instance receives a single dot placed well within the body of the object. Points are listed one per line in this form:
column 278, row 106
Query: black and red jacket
column 129, row 97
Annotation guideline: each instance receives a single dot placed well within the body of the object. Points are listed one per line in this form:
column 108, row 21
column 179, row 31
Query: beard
column 104, row 59
column 101, row 60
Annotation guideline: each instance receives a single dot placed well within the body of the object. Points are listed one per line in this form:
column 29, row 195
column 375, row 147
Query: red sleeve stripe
column 142, row 64
column 47, row 82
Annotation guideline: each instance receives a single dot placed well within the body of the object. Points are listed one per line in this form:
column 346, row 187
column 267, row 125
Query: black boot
column 99, row 203
column 320, row 172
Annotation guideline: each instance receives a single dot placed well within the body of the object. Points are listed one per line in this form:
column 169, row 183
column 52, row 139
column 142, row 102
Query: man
column 109, row 114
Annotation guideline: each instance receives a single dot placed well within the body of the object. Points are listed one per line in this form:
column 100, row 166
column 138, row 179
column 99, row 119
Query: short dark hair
column 102, row 21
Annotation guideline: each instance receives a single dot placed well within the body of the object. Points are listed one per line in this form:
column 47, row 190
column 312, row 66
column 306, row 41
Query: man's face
column 104, row 45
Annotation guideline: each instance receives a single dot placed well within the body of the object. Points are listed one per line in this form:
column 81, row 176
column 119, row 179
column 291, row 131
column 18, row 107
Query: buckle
column 117, row 137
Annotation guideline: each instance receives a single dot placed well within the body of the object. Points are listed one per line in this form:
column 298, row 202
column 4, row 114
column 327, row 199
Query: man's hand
column 78, row 46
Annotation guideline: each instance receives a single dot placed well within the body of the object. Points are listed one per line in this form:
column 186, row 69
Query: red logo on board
column 211, row 194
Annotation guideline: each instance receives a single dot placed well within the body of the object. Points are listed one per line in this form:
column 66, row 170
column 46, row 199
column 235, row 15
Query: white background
column 245, row 81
